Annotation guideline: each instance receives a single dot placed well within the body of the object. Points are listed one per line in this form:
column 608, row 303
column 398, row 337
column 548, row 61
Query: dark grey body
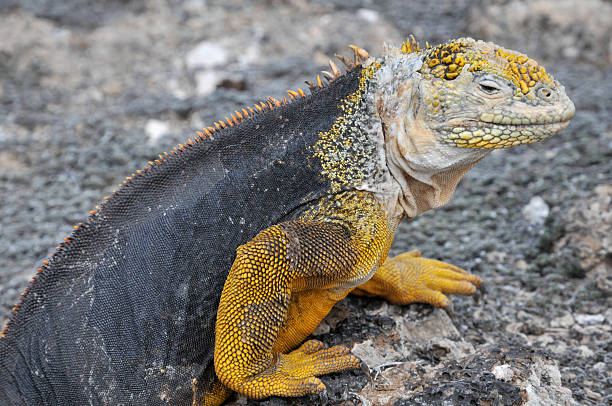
column 125, row 312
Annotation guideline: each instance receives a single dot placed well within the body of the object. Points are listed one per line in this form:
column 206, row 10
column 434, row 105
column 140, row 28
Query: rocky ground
column 92, row 90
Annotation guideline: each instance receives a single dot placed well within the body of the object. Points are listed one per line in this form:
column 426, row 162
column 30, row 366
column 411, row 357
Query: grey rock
column 206, row 54
column 589, row 319
column 492, row 375
column 536, row 210
column 564, row 321
column 155, row 129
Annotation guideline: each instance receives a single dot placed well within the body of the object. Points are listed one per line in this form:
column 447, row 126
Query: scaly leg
column 292, row 271
column 410, row 278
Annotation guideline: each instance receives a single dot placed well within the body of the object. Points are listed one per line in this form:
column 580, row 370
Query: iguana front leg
column 410, row 278
column 281, row 285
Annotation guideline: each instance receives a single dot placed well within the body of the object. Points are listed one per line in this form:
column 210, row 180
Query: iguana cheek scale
column 204, row 273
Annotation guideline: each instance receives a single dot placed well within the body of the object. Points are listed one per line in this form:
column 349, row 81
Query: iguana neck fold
column 421, row 177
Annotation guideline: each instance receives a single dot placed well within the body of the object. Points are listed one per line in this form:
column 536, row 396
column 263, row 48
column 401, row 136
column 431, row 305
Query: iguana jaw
column 506, row 127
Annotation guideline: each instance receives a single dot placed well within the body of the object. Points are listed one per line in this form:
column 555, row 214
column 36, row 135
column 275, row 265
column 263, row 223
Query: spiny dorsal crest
column 411, row 45
column 360, row 55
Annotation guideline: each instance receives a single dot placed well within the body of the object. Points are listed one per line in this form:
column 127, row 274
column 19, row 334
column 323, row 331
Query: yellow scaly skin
column 283, row 283
column 438, row 111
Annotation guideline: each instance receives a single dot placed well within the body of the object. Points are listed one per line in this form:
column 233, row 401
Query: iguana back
column 125, row 309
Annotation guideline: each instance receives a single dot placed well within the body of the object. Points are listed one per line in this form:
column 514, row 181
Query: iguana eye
column 489, row 86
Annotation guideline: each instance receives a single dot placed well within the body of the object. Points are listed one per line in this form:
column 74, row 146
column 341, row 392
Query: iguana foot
column 312, row 358
column 295, row 373
column 410, row 278
column 433, row 279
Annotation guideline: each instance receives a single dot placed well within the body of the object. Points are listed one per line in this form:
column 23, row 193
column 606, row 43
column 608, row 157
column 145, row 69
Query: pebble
column 536, row 211
column 589, row 319
column 564, row 321
column 503, row 372
column 600, row 366
column 206, row 82
column 155, row 129
column 585, row 351
column 368, row 15
column 592, row 394
column 496, row 257
column 558, row 348
column 608, row 315
column 206, row 55
column 521, row 265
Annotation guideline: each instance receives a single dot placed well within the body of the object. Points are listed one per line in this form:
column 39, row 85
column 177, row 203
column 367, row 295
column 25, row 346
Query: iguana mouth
column 503, row 129
column 544, row 118
column 487, row 135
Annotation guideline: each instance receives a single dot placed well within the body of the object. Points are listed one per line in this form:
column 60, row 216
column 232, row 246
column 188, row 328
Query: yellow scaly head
column 479, row 95
column 443, row 108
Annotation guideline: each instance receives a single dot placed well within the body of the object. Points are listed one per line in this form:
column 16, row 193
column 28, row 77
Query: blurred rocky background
column 90, row 90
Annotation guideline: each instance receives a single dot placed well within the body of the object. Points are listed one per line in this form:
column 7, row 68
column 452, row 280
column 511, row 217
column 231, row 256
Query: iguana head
column 444, row 107
column 478, row 95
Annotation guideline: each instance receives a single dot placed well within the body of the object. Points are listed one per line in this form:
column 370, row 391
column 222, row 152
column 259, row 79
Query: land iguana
column 205, row 271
